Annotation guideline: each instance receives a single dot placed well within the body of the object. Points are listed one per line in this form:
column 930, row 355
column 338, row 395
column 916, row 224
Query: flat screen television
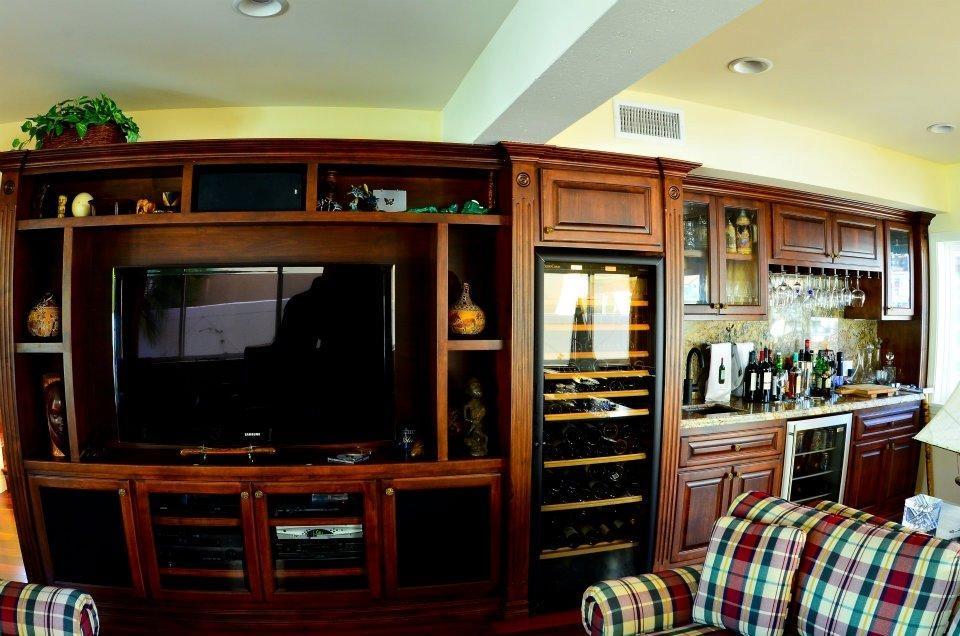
column 231, row 356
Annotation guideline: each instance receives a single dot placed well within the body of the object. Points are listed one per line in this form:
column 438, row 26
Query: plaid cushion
column 747, row 576
column 859, row 578
column 40, row 610
column 696, row 630
column 852, row 513
column 640, row 604
column 760, row 507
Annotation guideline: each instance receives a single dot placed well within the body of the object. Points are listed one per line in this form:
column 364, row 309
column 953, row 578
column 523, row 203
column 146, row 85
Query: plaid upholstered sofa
column 855, row 574
column 40, row 610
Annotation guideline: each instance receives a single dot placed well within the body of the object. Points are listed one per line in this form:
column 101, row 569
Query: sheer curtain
column 945, row 345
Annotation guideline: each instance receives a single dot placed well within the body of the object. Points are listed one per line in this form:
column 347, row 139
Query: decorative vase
column 55, row 411
column 81, row 206
column 43, row 321
column 466, row 318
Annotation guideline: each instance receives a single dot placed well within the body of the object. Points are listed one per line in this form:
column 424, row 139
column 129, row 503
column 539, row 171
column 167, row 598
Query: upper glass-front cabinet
column 899, row 275
column 724, row 250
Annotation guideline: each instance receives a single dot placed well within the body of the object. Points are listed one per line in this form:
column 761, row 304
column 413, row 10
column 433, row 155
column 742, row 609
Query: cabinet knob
column 728, row 476
column 738, row 447
column 548, row 229
column 244, row 495
column 389, row 492
column 122, row 492
column 713, row 305
column 258, row 494
column 737, row 475
column 721, row 305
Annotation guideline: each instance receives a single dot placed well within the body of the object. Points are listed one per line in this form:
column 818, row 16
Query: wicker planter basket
column 99, row 135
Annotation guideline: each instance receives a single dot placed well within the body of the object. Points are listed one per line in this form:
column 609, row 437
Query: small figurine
column 731, row 234
column 171, row 201
column 473, row 207
column 62, row 206
column 328, row 203
column 474, row 412
column 426, row 209
column 55, row 412
column 363, row 199
column 453, row 208
column 43, row 321
column 146, row 206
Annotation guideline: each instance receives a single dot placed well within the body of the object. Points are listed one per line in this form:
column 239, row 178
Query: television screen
column 232, row 356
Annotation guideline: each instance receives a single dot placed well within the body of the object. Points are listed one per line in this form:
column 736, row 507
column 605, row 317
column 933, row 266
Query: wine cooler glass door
column 816, row 460
column 597, row 410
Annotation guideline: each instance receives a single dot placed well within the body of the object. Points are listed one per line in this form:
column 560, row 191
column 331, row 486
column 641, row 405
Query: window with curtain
column 946, row 320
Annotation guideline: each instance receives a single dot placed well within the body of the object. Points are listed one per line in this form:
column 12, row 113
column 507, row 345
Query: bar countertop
column 743, row 412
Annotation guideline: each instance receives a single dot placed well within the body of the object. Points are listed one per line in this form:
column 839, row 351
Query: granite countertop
column 749, row 412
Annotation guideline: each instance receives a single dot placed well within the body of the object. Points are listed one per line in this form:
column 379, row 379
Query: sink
column 695, row 410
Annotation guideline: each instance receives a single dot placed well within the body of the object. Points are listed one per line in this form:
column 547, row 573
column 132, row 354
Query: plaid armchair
column 858, row 574
column 40, row 610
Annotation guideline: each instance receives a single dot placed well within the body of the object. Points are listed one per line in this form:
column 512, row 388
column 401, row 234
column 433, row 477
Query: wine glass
column 783, row 291
column 858, row 297
column 846, row 293
column 797, row 285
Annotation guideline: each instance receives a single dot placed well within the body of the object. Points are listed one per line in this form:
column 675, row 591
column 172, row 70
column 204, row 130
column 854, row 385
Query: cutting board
column 866, row 390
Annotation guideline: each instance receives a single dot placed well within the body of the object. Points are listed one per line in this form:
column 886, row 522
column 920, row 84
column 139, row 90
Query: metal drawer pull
column 122, row 492
column 258, row 494
column 389, row 492
column 738, row 447
column 548, row 229
column 244, row 495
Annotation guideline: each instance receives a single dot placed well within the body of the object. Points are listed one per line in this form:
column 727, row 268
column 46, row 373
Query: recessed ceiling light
column 750, row 65
column 940, row 129
column 260, row 8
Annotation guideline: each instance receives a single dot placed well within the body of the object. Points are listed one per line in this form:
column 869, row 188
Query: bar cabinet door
column 441, row 536
column 701, row 293
column 319, row 541
column 199, row 540
column 742, row 257
column 87, row 534
column 899, row 278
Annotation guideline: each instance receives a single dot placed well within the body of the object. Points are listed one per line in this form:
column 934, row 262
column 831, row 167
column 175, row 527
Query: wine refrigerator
column 597, row 419
column 815, row 461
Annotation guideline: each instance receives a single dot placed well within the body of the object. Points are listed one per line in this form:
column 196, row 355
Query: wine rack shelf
column 589, row 355
column 640, row 326
column 319, row 572
column 595, row 394
column 586, row 461
column 209, row 522
column 596, row 503
column 817, row 474
column 592, row 549
column 314, row 521
column 570, row 375
column 813, row 452
column 204, row 573
column 621, row 411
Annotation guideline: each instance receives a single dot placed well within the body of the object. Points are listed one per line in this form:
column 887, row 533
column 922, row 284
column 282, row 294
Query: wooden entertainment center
column 446, row 537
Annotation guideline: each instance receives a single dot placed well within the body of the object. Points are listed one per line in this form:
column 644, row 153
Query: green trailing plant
column 79, row 113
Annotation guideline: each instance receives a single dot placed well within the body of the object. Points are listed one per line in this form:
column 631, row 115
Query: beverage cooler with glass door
column 815, row 462
column 597, row 421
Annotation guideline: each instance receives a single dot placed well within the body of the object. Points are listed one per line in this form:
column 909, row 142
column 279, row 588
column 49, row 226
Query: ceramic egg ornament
column 81, row 204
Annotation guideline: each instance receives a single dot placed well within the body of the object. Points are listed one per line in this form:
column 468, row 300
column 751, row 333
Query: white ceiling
column 879, row 71
column 197, row 53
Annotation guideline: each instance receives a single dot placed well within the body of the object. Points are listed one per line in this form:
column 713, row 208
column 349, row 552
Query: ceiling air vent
column 645, row 121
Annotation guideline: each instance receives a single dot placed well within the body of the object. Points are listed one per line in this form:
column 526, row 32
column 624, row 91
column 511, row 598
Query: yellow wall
column 276, row 121
column 762, row 149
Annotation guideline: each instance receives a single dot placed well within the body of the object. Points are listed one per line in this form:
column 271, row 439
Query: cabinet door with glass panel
column 899, row 280
column 724, row 263
column 318, row 540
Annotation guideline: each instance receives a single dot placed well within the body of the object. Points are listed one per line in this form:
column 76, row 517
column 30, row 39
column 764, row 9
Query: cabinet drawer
column 590, row 207
column 710, row 448
column 874, row 423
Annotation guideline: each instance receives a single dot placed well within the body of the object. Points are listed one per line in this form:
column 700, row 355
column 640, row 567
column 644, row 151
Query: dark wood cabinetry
column 823, row 238
column 717, row 467
column 601, row 209
column 883, row 459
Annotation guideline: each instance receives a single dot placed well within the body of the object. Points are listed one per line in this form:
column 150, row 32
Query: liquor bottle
column 722, row 376
column 793, row 377
column 839, row 377
column 779, row 378
column 766, row 377
column 751, row 377
column 807, row 369
column 820, row 369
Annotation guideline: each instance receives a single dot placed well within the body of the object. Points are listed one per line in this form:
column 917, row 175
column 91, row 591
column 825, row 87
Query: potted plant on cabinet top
column 83, row 121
